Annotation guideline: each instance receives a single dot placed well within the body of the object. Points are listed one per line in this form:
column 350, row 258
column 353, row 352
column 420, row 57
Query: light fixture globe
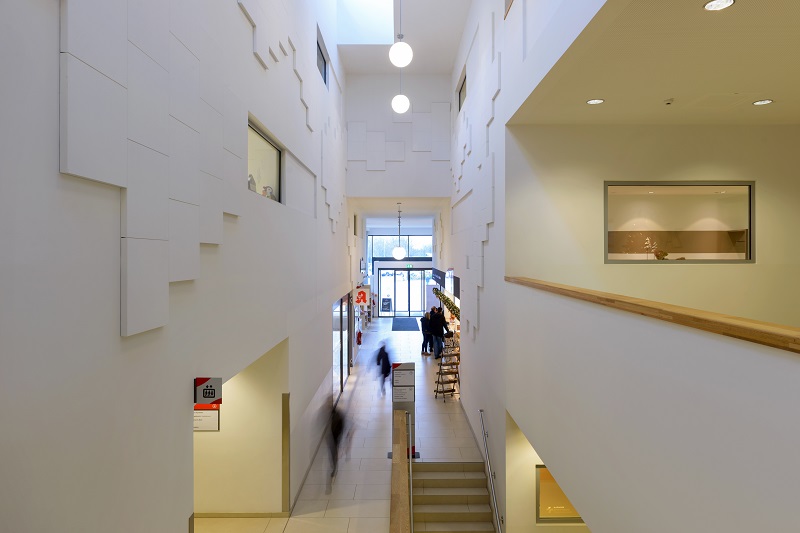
column 399, row 253
column 400, row 103
column 400, row 54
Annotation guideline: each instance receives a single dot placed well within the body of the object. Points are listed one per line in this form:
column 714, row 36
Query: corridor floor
column 358, row 501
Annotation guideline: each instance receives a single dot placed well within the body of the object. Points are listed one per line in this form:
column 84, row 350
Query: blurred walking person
column 385, row 365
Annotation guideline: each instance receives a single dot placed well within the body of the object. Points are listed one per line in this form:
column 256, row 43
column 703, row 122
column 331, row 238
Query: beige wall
column 521, row 461
column 238, row 469
column 555, row 213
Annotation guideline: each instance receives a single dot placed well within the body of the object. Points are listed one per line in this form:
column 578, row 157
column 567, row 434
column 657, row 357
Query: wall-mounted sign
column 456, row 286
column 208, row 390
column 206, row 420
column 438, row 276
column 361, row 296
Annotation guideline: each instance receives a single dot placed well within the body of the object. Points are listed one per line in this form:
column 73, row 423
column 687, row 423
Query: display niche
column 695, row 222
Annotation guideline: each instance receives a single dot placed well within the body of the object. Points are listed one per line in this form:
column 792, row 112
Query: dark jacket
column 438, row 325
column 425, row 324
column 383, row 361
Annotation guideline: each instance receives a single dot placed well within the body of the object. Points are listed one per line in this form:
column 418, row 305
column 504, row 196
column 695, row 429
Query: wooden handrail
column 399, row 507
column 773, row 335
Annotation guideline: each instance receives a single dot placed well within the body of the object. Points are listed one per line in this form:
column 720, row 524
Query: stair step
column 471, row 466
column 449, row 479
column 447, row 495
column 479, row 512
column 453, row 527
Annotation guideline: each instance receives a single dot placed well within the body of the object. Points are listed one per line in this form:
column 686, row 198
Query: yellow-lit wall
column 521, row 461
column 238, row 469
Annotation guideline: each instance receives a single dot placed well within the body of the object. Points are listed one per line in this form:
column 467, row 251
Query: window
column 462, row 92
column 322, row 64
column 679, row 221
column 552, row 505
column 263, row 166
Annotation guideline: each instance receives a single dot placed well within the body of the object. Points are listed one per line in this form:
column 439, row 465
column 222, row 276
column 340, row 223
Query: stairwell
column 451, row 497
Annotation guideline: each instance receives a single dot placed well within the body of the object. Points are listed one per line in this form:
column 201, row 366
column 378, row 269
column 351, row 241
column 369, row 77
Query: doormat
column 405, row 324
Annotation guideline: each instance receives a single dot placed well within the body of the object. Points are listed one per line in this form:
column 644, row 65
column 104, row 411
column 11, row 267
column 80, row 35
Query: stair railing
column 497, row 517
column 410, row 474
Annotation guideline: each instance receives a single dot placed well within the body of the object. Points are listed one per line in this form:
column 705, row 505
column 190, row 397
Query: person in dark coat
column 385, row 363
column 438, row 327
column 335, row 437
column 427, row 341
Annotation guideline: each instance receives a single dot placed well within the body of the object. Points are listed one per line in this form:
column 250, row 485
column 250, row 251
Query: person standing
column 335, row 437
column 438, row 326
column 427, row 341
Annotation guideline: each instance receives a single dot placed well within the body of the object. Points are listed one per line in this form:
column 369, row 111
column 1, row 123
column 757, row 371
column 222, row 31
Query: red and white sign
column 362, row 296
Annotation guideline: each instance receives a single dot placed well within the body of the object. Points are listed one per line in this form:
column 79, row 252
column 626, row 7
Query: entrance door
column 402, row 291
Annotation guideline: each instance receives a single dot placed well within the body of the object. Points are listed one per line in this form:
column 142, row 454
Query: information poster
column 206, row 420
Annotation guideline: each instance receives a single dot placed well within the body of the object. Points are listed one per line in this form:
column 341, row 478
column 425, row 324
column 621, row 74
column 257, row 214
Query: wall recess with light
column 689, row 222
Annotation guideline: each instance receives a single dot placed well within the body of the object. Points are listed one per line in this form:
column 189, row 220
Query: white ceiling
column 432, row 28
column 417, row 214
column 638, row 54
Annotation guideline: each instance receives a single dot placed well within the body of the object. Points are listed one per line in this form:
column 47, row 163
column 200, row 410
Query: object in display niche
column 251, row 183
column 268, row 192
column 660, row 254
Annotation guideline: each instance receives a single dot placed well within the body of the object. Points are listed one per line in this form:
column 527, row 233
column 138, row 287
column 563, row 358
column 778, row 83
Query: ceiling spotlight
column 400, row 54
column 400, row 103
column 762, row 102
column 718, row 5
column 596, row 101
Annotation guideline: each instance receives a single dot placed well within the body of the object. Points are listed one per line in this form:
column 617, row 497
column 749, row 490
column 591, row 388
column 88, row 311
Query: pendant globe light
column 399, row 252
column 400, row 54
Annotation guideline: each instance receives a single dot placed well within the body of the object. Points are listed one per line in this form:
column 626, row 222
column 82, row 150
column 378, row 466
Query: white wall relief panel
column 211, row 197
column 212, row 73
column 235, row 128
column 96, row 32
column 357, row 141
column 148, row 101
column 301, row 186
column 421, row 132
column 144, row 288
column 145, row 202
column 395, row 151
column 184, row 84
column 376, row 150
column 234, row 184
column 184, row 157
column 184, row 241
column 211, row 150
column 148, row 28
column 407, row 117
column 185, row 23
column 93, row 125
column 256, row 17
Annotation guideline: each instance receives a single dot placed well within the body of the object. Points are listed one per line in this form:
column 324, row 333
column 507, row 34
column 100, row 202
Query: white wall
column 649, row 426
column 235, row 470
column 391, row 155
column 101, row 430
column 555, row 179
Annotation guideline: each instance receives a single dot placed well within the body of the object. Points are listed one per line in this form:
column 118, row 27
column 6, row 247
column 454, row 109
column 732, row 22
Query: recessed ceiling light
column 595, row 101
column 762, row 102
column 717, row 5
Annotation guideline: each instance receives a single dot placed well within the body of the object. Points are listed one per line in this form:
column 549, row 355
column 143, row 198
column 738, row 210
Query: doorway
column 402, row 291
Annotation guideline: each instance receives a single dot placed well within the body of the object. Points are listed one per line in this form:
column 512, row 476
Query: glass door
column 402, row 291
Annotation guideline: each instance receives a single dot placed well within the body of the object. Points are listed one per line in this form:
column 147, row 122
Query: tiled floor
column 358, row 499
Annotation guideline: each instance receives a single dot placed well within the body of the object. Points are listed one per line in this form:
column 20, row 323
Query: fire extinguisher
column 358, row 338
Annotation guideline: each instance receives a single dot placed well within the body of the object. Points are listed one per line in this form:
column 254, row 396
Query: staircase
column 451, row 497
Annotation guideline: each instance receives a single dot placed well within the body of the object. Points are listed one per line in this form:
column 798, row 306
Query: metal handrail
column 491, row 474
column 410, row 474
